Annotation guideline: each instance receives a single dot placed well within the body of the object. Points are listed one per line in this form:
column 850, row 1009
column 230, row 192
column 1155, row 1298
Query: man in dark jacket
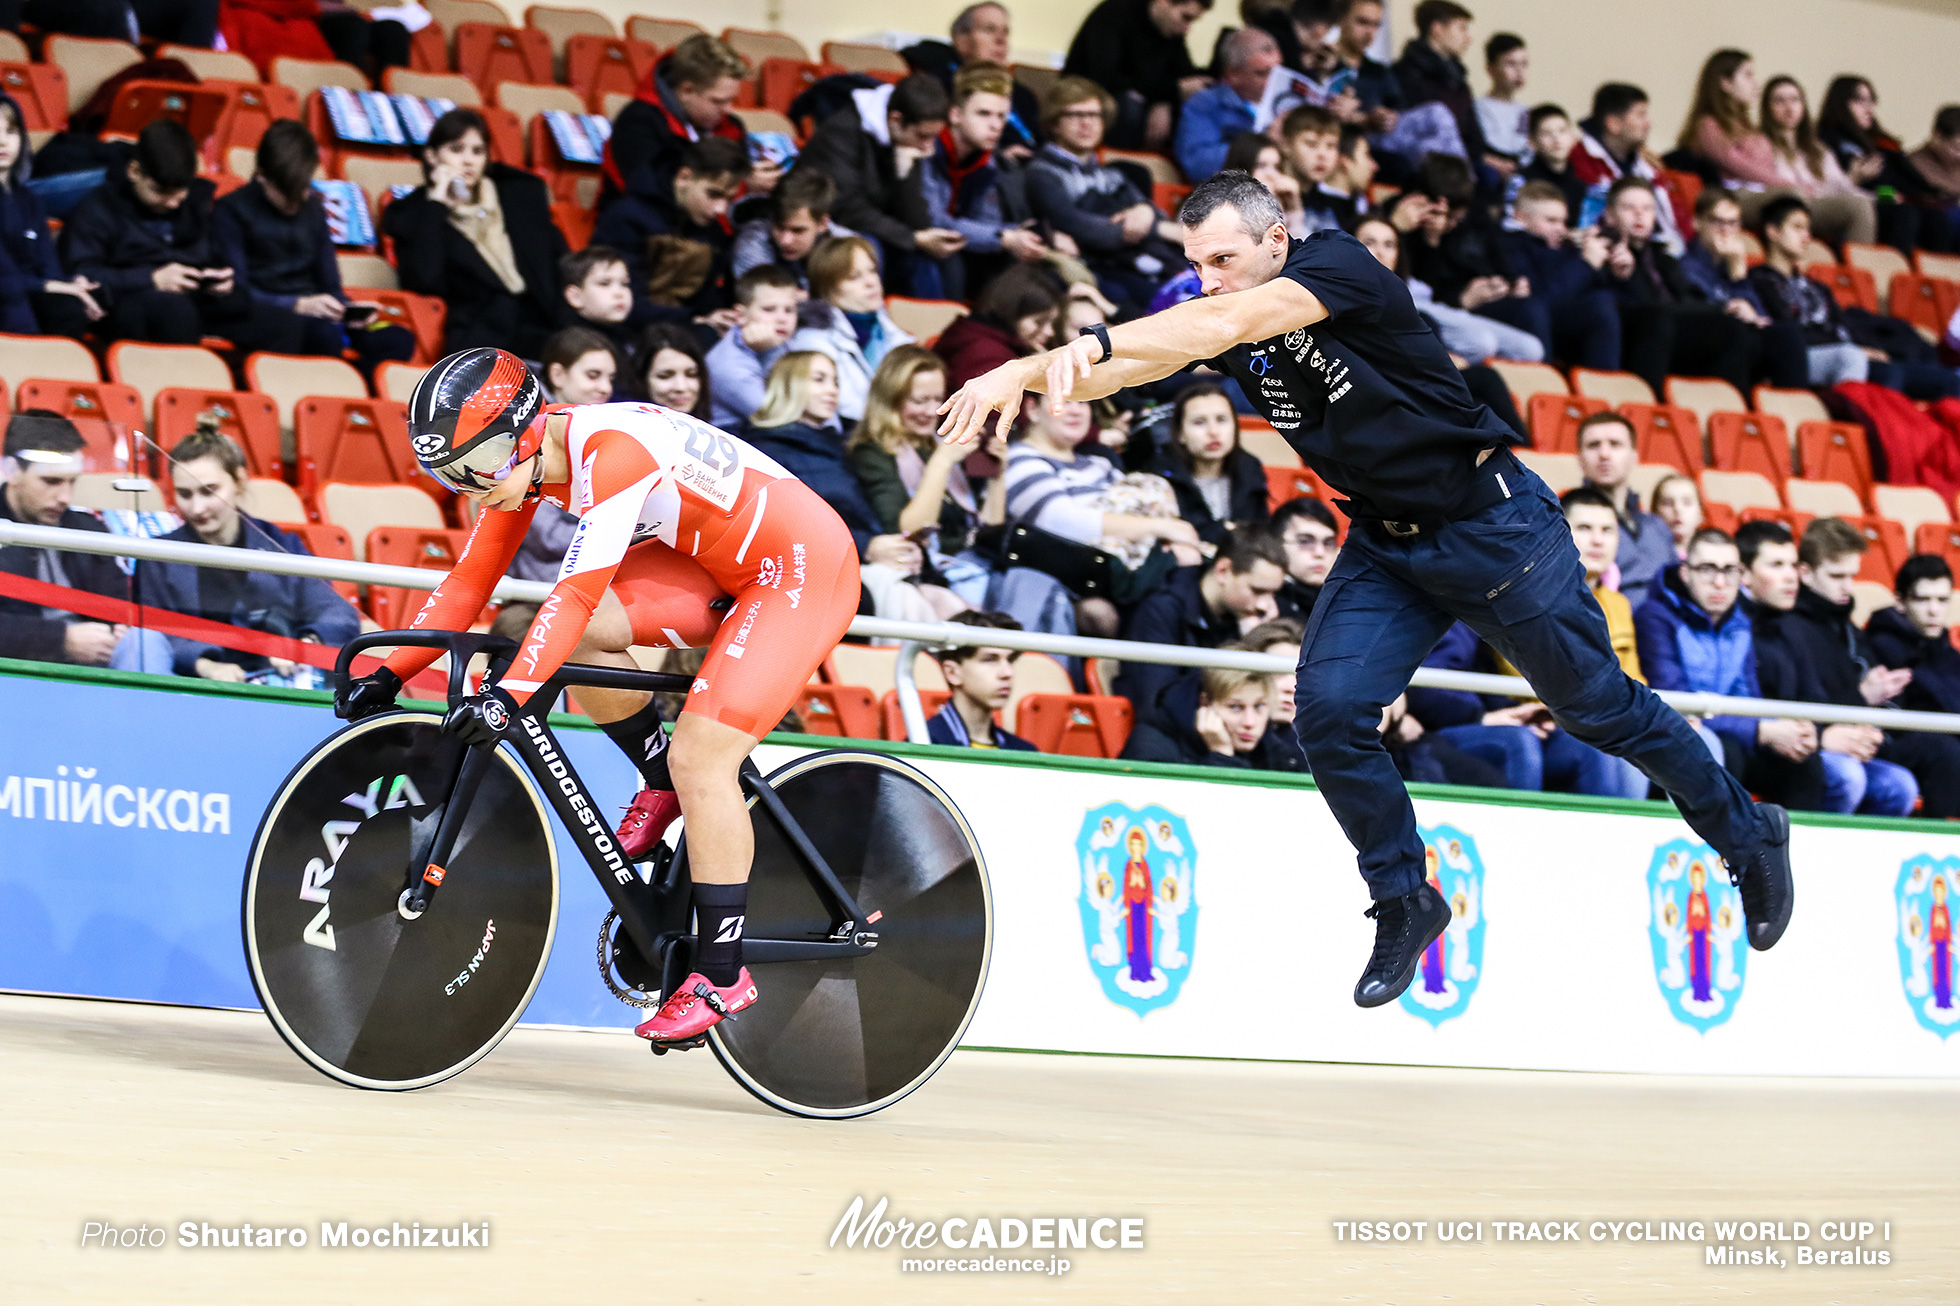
column 1810, row 652
column 689, row 96
column 1581, row 313
column 1666, row 326
column 1200, row 607
column 982, row 33
column 1135, row 50
column 273, row 233
column 873, row 150
column 1915, row 636
column 1431, row 68
column 43, row 456
column 1131, row 247
column 678, row 245
column 981, row 680
column 144, row 237
column 1312, row 540
column 1694, row 635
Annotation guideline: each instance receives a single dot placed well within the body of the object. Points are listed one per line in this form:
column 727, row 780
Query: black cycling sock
column 645, row 744
column 719, row 914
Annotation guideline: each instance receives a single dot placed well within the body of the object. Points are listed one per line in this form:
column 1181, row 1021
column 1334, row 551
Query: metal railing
column 915, row 637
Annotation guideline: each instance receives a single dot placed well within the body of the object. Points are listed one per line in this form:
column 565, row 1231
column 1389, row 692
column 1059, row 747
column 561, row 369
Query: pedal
column 681, row 1045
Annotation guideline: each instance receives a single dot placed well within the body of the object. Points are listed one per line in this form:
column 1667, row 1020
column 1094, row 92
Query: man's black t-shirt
column 1368, row 395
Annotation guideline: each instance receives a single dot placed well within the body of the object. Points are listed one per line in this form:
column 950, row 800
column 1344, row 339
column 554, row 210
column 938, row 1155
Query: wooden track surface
column 608, row 1176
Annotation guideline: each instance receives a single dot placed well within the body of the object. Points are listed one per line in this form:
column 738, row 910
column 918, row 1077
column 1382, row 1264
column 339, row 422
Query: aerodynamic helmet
column 472, row 418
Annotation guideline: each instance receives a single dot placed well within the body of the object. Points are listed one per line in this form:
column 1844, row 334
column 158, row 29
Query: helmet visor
column 478, row 467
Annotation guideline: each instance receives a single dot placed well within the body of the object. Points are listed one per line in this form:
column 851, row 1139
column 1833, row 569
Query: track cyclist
column 687, row 537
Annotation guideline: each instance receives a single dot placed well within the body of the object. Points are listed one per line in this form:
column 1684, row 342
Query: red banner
column 122, row 612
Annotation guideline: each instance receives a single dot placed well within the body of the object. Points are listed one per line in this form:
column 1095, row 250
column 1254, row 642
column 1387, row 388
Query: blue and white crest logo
column 1139, row 915
column 1699, row 951
column 1925, row 899
column 1451, row 966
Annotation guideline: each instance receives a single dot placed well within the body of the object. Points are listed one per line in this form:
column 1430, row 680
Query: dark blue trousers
column 1511, row 574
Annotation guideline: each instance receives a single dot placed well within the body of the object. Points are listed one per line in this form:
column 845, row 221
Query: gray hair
column 1238, row 48
column 964, row 20
column 1247, row 195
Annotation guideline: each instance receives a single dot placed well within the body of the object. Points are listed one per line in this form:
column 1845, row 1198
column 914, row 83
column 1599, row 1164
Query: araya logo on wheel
column 1696, row 928
column 1447, row 978
column 316, row 881
column 1925, row 897
column 1139, row 912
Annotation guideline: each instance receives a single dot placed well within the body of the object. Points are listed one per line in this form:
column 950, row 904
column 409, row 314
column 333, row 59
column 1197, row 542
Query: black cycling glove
column 369, row 696
column 481, row 718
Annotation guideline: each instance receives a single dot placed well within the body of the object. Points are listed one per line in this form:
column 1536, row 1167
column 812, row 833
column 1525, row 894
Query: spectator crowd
column 724, row 280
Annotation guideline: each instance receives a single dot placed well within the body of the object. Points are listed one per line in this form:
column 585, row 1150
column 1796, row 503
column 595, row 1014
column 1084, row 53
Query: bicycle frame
column 655, row 910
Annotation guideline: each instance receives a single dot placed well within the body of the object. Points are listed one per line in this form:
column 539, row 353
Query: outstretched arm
column 1142, row 351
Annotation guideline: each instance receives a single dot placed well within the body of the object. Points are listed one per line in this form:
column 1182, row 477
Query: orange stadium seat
column 1926, row 302
column 1666, row 433
column 596, row 65
column 1836, row 451
column 1075, row 725
column 1943, row 540
column 41, row 91
column 324, row 541
column 364, row 440
column 361, row 508
column 891, row 716
column 847, row 710
column 858, row 58
column 1553, row 420
column 1887, row 550
column 488, row 55
column 249, row 419
column 780, row 81
column 425, row 315
column 562, row 26
column 1852, row 286
column 1751, row 442
column 1944, row 266
column 1526, row 381
column 394, row 606
column 758, row 47
column 107, row 414
column 288, row 378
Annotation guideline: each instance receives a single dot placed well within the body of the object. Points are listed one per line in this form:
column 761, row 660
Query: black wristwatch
column 1101, row 333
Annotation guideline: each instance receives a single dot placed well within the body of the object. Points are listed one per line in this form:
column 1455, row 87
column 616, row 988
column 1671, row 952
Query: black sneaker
column 1768, row 892
column 1403, row 928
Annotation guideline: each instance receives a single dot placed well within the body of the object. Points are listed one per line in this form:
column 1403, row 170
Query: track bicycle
column 401, row 901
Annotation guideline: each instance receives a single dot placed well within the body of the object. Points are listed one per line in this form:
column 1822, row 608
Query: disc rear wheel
column 835, row 1038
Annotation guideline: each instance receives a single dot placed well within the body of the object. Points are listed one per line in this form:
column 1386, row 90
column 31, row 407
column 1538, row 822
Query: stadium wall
column 1139, row 910
column 1905, row 46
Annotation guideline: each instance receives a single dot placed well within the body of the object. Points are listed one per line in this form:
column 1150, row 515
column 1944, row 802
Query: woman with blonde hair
column 797, row 426
column 208, row 477
column 913, row 481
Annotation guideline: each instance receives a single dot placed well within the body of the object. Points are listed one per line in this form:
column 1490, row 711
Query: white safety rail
column 915, row 636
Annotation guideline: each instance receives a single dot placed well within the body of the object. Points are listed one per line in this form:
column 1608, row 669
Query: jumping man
column 1450, row 526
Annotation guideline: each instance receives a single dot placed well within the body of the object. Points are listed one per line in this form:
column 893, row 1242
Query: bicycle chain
column 631, row 997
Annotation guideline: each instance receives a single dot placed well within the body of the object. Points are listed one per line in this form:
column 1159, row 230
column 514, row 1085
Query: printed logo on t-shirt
column 1295, row 341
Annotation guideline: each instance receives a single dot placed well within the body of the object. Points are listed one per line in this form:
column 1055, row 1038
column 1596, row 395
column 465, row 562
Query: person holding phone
column 273, row 236
column 146, row 240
